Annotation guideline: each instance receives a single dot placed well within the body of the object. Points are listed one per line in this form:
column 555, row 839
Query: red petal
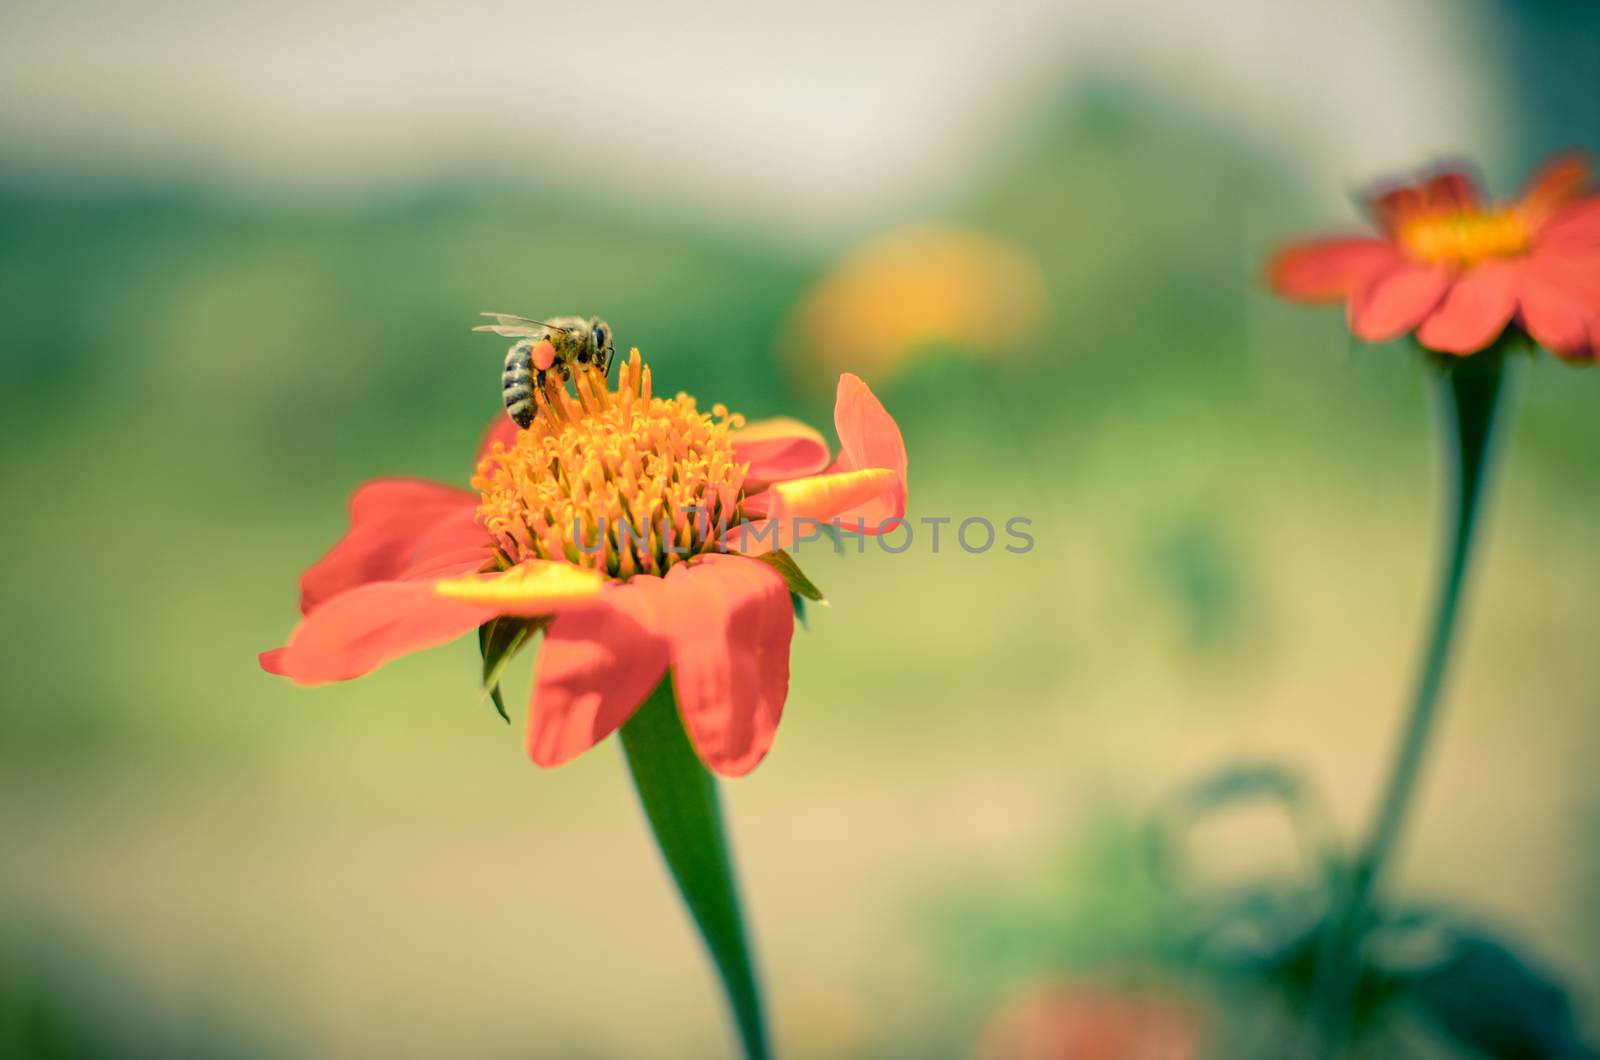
column 595, row 668
column 1556, row 317
column 731, row 623
column 502, row 430
column 454, row 539
column 869, row 438
column 1449, row 191
column 1577, row 269
column 1398, row 301
column 360, row 630
column 1452, row 190
column 1575, row 228
column 1559, row 182
column 1475, row 311
column 1330, row 270
column 757, row 506
column 778, row 449
column 1391, row 208
column 396, row 526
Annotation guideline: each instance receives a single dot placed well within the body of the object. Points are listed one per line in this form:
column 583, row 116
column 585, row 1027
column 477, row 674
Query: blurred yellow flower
column 913, row 290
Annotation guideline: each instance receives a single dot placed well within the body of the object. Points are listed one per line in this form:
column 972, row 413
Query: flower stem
column 681, row 803
column 1468, row 392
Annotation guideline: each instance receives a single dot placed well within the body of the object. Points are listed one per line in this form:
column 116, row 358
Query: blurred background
column 240, row 249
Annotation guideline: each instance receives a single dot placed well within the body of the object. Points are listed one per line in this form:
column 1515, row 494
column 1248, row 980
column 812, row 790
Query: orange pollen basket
column 626, row 483
column 1465, row 238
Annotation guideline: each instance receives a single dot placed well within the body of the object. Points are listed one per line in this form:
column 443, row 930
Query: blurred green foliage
column 194, row 382
column 59, row 1007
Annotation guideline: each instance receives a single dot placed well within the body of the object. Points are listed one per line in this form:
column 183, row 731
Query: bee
column 544, row 346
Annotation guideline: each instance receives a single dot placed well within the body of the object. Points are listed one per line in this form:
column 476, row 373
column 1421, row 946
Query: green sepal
column 798, row 602
column 499, row 640
column 499, row 704
column 793, row 576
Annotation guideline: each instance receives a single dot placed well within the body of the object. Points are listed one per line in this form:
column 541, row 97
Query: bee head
column 601, row 331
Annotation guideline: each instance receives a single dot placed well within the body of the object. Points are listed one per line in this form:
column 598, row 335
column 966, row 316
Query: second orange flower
column 1457, row 270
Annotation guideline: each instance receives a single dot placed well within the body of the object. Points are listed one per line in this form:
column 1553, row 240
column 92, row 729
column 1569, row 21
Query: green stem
column 680, row 801
column 1468, row 392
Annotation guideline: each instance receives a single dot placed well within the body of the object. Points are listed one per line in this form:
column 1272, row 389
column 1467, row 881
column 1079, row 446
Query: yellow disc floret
column 626, row 482
column 1466, row 237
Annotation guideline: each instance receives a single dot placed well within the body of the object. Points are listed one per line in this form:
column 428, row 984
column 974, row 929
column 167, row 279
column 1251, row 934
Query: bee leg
column 539, row 396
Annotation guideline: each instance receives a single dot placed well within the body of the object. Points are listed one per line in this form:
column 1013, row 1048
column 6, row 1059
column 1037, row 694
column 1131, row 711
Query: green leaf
column 796, row 579
column 1485, row 995
column 499, row 640
column 798, row 602
column 681, row 802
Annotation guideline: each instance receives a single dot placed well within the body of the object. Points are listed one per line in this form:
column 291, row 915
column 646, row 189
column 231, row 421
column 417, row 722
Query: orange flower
column 914, row 288
column 602, row 522
column 1457, row 270
column 1083, row 1021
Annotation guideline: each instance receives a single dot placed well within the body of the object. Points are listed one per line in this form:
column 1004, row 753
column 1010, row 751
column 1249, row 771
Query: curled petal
column 360, row 630
column 595, row 667
column 396, row 525
column 826, row 496
column 533, row 587
column 1398, row 301
column 1475, row 311
column 792, row 505
column 778, row 449
column 731, row 624
column 1330, row 270
column 869, row 438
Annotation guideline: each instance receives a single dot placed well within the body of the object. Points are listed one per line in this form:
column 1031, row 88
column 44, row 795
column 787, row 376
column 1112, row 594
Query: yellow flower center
column 625, row 482
column 1465, row 238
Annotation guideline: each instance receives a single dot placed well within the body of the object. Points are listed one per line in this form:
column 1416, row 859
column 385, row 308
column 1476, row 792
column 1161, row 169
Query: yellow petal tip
column 531, row 587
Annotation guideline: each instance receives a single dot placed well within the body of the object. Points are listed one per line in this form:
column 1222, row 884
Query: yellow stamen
column 1465, row 238
column 608, row 481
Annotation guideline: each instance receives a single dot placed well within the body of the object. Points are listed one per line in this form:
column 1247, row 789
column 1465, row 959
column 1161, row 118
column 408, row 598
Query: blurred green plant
column 1432, row 962
column 55, row 1007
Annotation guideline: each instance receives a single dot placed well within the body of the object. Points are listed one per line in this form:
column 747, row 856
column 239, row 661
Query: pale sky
column 809, row 120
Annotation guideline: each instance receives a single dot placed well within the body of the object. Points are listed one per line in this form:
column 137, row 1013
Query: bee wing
column 510, row 332
column 515, row 327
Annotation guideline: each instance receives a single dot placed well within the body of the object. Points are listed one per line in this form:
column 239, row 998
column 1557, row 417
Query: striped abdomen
column 516, row 383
